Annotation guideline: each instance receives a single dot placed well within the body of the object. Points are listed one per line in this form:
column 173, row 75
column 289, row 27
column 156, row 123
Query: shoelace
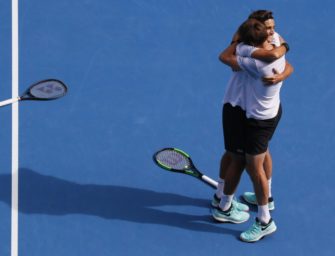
column 254, row 229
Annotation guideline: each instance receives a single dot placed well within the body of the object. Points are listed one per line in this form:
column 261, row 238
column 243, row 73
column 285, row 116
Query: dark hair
column 252, row 32
column 261, row 15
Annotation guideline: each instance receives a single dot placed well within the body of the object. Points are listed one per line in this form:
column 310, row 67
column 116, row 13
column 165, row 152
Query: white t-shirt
column 237, row 91
column 234, row 93
column 276, row 40
column 261, row 101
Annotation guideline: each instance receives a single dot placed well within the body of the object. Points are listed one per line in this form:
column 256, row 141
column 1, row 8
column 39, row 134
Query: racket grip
column 9, row 101
column 209, row 181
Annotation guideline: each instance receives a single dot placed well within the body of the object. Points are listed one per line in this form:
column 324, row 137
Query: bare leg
column 225, row 162
column 268, row 165
column 226, row 159
column 256, row 171
column 232, row 179
column 233, row 173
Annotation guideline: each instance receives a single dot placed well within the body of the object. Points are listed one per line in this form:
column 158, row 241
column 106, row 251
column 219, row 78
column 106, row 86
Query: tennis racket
column 49, row 89
column 176, row 160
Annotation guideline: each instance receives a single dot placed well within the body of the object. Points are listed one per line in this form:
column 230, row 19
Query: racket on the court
column 176, row 160
column 49, row 89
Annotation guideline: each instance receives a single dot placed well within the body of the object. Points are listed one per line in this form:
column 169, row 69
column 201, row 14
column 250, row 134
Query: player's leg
column 268, row 165
column 263, row 225
column 233, row 129
column 258, row 135
column 255, row 169
column 224, row 163
column 250, row 197
column 228, row 209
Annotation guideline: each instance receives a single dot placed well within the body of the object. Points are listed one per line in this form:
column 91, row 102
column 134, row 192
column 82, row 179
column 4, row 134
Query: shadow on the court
column 252, row 208
column 40, row 194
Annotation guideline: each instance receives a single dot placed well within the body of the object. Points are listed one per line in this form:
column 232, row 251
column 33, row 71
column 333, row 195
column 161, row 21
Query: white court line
column 15, row 129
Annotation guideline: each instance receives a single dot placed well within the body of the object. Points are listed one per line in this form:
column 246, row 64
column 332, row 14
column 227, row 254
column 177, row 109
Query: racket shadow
column 40, row 194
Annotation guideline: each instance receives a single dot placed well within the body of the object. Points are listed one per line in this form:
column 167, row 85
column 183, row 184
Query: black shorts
column 233, row 122
column 259, row 133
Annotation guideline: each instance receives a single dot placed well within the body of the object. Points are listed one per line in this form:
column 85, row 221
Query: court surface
column 142, row 75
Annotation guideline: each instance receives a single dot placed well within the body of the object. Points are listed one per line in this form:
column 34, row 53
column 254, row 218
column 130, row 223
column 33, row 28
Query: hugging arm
column 228, row 57
column 278, row 77
column 270, row 55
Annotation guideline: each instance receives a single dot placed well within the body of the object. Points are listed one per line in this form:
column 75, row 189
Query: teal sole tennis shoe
column 238, row 205
column 232, row 215
column 257, row 231
column 250, row 198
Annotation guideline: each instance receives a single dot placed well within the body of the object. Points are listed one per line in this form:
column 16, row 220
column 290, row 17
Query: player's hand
column 271, row 80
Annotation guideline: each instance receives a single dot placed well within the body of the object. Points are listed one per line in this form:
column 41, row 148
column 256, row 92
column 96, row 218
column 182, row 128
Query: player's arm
column 239, row 63
column 236, row 37
column 271, row 55
column 278, row 77
column 228, row 57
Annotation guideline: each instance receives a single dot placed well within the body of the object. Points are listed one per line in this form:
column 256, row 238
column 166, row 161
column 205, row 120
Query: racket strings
column 173, row 159
column 48, row 89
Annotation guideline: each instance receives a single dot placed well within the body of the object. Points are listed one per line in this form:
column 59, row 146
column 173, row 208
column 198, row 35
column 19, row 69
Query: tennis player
column 274, row 38
column 262, row 115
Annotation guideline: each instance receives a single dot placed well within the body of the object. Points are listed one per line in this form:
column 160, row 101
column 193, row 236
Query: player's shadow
column 40, row 194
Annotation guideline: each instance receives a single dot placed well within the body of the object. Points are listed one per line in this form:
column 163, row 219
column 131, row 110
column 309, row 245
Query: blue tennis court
column 143, row 75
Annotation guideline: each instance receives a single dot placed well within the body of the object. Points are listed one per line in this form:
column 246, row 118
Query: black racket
column 49, row 89
column 176, row 160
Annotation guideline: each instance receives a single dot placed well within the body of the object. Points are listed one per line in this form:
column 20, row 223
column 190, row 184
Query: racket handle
column 209, row 181
column 9, row 101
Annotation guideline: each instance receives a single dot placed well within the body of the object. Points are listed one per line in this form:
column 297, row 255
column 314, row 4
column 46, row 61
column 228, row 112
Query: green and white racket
column 176, row 160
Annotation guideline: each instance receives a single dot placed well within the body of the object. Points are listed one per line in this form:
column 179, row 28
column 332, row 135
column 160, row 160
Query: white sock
column 263, row 214
column 219, row 190
column 225, row 202
column 269, row 182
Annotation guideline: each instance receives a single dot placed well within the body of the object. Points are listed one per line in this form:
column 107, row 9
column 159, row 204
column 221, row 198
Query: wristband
column 286, row 46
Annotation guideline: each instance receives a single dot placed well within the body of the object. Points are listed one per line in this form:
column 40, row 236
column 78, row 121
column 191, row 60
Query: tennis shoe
column 258, row 230
column 250, row 198
column 232, row 215
column 240, row 206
